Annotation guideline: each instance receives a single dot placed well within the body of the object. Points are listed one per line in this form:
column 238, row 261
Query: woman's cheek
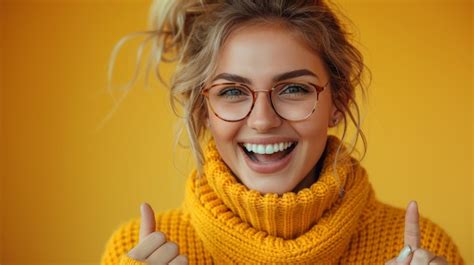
column 224, row 134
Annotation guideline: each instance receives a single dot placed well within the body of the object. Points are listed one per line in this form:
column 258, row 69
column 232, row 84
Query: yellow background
column 65, row 187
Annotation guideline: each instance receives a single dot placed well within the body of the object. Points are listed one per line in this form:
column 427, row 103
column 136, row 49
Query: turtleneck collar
column 274, row 213
column 314, row 225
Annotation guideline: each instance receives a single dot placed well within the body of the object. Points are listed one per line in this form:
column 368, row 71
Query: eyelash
column 224, row 92
column 302, row 88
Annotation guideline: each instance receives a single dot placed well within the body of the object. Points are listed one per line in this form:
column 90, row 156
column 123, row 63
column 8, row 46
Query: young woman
column 261, row 83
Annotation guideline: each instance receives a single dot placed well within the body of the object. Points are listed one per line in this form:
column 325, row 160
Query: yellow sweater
column 223, row 222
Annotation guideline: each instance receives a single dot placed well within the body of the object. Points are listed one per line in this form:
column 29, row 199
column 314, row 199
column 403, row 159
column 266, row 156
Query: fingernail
column 404, row 253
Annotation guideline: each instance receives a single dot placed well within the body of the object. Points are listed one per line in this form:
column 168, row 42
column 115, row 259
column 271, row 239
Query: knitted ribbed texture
column 271, row 213
column 223, row 222
column 240, row 225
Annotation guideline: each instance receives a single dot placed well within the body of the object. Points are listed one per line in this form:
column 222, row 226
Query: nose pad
column 263, row 116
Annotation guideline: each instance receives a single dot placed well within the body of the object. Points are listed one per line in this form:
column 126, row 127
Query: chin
column 268, row 184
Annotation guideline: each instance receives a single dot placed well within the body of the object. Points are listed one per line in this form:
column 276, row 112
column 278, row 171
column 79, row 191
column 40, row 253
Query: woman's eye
column 293, row 89
column 232, row 92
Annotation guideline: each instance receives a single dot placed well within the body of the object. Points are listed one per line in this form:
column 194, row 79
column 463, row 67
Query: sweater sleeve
column 381, row 237
column 120, row 243
column 436, row 240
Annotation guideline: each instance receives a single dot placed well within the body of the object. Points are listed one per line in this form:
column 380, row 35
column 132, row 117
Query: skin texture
column 248, row 53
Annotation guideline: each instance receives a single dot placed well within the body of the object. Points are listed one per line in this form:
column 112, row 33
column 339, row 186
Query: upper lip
column 267, row 140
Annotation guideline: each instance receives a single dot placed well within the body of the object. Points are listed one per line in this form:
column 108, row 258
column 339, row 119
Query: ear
column 335, row 117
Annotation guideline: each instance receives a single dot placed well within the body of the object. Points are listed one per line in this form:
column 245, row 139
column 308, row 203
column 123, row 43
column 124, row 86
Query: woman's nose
column 263, row 117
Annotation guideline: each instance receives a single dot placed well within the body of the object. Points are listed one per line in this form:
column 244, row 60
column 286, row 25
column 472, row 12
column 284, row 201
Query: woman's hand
column 153, row 247
column 412, row 254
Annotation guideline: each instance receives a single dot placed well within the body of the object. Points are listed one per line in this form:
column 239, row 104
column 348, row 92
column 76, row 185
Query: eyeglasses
column 291, row 101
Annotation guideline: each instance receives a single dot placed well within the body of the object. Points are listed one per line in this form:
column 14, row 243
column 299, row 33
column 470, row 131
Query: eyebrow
column 277, row 78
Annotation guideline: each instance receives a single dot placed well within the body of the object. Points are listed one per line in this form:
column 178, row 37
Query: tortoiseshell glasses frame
column 285, row 105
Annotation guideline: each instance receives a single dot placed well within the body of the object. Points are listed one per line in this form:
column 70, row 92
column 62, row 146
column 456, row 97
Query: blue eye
column 231, row 92
column 293, row 89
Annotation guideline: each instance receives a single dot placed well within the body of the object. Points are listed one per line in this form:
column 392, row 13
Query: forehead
column 263, row 50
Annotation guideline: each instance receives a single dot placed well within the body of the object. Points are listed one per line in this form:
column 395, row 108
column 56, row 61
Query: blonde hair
column 191, row 32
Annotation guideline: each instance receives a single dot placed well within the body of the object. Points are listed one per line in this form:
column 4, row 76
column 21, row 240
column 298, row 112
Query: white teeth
column 254, row 148
column 267, row 148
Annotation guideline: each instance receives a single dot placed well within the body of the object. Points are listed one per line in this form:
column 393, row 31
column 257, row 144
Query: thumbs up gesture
column 153, row 248
column 412, row 254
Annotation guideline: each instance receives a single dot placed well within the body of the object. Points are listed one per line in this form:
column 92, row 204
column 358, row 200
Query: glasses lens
column 294, row 101
column 230, row 101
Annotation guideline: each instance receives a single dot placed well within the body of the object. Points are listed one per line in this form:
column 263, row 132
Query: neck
column 313, row 175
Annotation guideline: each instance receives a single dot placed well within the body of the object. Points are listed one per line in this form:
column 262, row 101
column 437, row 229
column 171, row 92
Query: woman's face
column 259, row 53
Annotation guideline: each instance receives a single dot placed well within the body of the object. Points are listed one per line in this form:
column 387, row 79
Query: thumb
column 147, row 223
column 412, row 227
column 411, row 235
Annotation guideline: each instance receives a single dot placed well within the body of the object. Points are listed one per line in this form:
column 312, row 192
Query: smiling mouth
column 265, row 154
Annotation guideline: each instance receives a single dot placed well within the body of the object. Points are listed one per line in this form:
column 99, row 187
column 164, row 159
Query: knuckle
column 179, row 260
column 158, row 236
column 421, row 256
column 172, row 248
column 134, row 254
column 164, row 254
column 440, row 260
column 412, row 233
column 413, row 237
